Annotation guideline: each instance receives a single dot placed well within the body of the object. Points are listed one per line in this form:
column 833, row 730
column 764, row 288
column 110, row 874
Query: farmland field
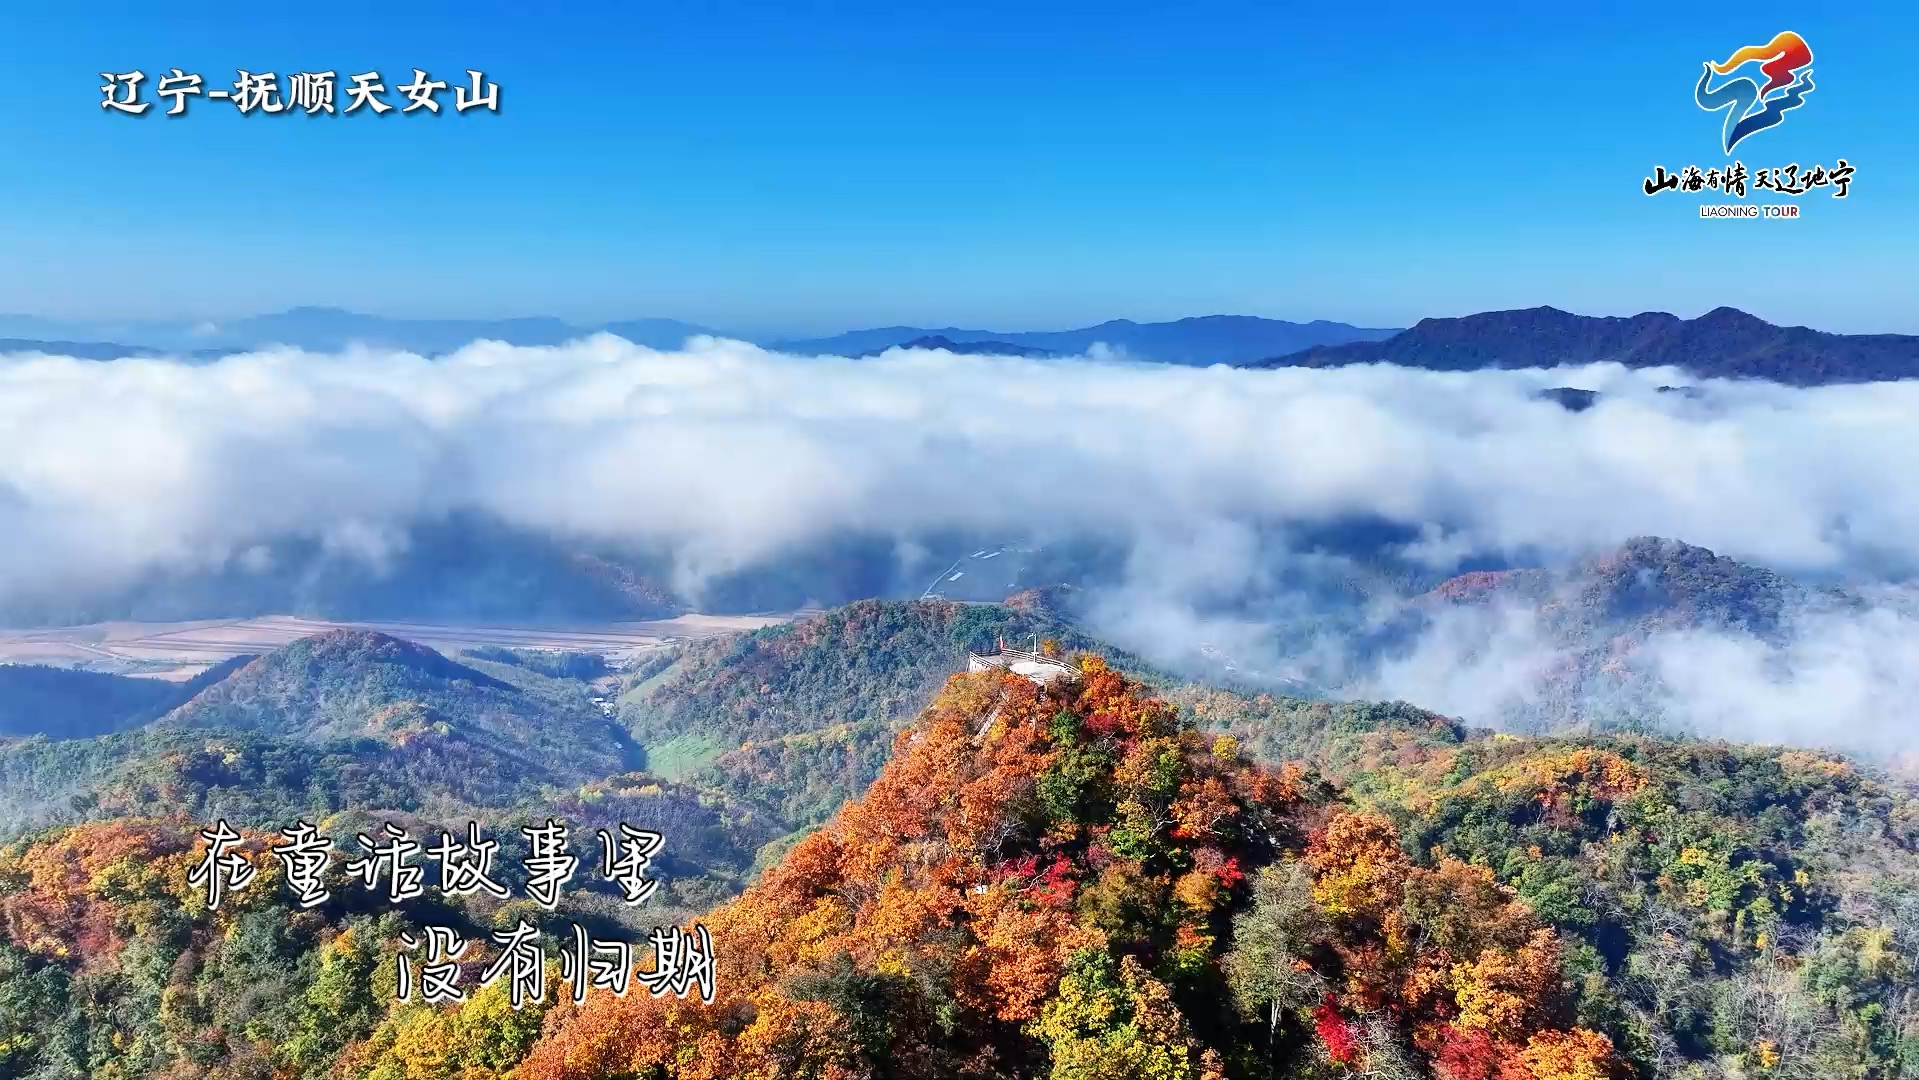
column 180, row 650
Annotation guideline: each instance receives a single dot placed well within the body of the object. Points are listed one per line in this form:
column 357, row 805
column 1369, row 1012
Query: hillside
column 1581, row 644
column 350, row 683
column 63, row 703
column 802, row 715
column 1096, row 889
column 1089, row 883
column 353, row 723
column 1723, row 343
column 1647, row 583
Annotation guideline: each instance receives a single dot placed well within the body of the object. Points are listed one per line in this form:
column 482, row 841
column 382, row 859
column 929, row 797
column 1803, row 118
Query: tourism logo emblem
column 1755, row 87
column 1786, row 64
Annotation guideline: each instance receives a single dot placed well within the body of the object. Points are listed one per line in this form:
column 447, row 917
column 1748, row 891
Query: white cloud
column 728, row 455
column 1847, row 681
column 732, row 453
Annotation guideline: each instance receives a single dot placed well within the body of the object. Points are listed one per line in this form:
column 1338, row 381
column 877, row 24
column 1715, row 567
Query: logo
column 1750, row 107
column 1758, row 86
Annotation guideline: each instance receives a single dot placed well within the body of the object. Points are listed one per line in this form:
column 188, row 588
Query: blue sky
column 804, row 166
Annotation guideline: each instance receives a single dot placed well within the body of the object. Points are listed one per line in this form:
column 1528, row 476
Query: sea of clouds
column 727, row 455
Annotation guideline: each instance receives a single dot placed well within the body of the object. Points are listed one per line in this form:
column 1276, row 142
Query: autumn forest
column 1114, row 874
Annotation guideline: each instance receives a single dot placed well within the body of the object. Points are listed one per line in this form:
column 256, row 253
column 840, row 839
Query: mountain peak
column 1681, row 583
column 307, row 684
column 1010, row 827
column 349, row 644
column 1733, row 317
column 942, row 343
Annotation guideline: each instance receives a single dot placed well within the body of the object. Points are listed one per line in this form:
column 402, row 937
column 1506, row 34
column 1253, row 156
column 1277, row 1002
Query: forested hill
column 350, row 684
column 1647, row 581
column 344, row 725
column 1096, row 879
column 1592, row 627
column 322, row 724
column 802, row 715
column 1723, row 343
column 1095, row 887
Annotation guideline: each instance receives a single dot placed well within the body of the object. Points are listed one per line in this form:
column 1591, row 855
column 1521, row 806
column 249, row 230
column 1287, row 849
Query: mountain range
column 1724, row 343
column 1228, row 339
column 318, row 329
column 1209, row 339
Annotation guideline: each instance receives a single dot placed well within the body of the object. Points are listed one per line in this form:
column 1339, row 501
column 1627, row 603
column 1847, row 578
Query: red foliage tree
column 1341, row 1041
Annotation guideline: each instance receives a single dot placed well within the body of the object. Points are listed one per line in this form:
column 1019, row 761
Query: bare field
column 179, row 651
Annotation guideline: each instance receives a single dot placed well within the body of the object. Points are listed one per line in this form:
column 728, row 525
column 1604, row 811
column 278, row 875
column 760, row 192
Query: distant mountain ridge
column 966, row 348
column 1724, row 343
column 80, row 350
column 319, row 329
column 1202, row 340
column 1210, row 339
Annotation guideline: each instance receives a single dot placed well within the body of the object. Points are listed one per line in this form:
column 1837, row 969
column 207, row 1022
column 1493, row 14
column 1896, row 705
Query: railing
column 1007, row 658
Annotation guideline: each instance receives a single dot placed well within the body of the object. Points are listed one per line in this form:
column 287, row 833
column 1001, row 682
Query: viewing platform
column 1040, row 668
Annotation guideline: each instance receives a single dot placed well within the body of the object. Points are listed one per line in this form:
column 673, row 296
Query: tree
column 1115, row 1022
column 1568, row 1055
column 1267, row 968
